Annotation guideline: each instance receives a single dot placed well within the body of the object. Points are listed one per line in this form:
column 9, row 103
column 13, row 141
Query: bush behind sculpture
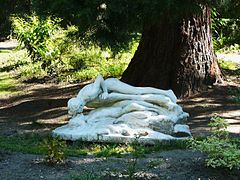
column 40, row 37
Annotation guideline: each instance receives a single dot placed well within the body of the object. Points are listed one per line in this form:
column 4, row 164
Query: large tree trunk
column 175, row 55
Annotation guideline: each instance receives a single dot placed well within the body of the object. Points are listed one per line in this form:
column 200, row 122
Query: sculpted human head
column 75, row 106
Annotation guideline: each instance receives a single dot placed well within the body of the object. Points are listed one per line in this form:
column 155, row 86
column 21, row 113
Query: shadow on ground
column 214, row 102
column 36, row 108
column 42, row 107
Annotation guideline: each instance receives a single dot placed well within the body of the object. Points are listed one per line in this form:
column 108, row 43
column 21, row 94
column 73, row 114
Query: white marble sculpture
column 123, row 113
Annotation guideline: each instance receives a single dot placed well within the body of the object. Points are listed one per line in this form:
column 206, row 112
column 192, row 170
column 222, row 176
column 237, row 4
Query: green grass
column 227, row 65
column 26, row 144
column 76, row 65
column 4, row 54
column 34, row 144
column 10, row 60
column 7, row 83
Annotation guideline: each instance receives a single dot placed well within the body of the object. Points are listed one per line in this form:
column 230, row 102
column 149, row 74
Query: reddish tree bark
column 175, row 55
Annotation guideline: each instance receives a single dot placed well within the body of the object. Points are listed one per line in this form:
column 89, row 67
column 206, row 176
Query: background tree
column 9, row 7
column 175, row 50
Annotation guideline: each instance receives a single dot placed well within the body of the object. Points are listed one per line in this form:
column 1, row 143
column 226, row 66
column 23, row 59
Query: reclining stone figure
column 122, row 113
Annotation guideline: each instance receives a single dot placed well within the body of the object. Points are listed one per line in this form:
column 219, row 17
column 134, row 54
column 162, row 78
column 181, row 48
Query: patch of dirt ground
column 39, row 108
column 174, row 164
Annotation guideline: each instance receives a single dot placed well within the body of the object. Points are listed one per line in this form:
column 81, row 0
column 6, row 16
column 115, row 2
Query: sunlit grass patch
column 4, row 56
column 227, row 65
column 4, row 52
column 7, row 83
column 105, row 68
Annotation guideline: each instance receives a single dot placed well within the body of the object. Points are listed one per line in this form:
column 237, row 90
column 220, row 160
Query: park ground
column 37, row 108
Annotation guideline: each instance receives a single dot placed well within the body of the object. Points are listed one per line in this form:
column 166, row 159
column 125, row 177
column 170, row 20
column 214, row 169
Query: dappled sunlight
column 215, row 102
column 7, row 84
column 89, row 161
column 35, row 131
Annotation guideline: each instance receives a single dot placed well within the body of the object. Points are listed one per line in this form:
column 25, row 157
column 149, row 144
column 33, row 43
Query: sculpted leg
column 116, row 85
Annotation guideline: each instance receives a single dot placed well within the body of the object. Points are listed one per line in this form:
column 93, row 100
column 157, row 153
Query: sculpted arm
column 102, row 85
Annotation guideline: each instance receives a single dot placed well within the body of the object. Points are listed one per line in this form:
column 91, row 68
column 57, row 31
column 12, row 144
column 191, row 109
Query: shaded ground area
column 174, row 164
column 37, row 107
column 215, row 102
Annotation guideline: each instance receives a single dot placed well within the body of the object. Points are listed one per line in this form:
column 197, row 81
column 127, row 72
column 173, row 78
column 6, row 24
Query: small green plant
column 55, row 150
column 85, row 176
column 219, row 126
column 139, row 150
column 155, row 163
column 34, row 33
column 235, row 93
column 222, row 151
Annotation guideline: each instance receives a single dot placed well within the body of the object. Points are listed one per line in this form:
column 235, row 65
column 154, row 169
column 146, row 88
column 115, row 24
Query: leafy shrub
column 87, row 61
column 221, row 150
column 60, row 53
column 219, row 126
column 55, row 147
column 39, row 37
column 226, row 32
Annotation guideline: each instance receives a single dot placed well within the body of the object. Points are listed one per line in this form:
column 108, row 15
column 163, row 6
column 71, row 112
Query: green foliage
column 219, row 126
column 107, row 150
column 39, row 37
column 227, row 65
column 85, row 176
column 221, row 150
column 115, row 22
column 11, row 7
column 57, row 52
column 38, row 144
column 55, row 147
column 235, row 93
column 86, row 61
column 225, row 32
column 232, row 48
column 218, row 123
